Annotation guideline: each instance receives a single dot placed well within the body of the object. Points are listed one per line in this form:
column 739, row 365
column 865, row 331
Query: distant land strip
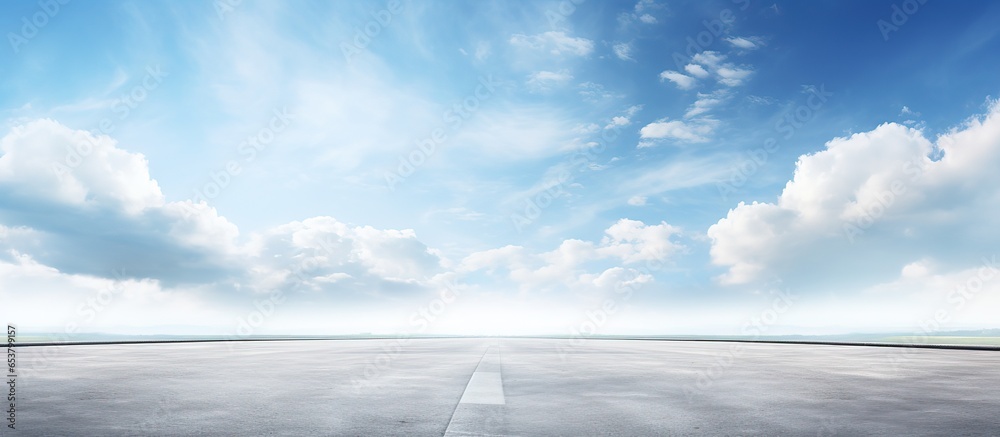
column 637, row 338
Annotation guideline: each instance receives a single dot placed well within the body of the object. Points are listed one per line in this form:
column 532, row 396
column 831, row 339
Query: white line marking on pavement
column 481, row 409
column 484, row 388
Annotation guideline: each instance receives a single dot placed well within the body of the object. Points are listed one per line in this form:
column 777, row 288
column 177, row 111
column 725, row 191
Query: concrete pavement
column 488, row 386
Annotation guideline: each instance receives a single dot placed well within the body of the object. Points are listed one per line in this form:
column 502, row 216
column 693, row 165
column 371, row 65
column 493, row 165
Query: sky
column 727, row 167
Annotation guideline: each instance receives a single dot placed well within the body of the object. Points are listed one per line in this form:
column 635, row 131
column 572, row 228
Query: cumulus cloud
column 98, row 210
column 45, row 160
column 99, row 213
column 696, row 70
column 555, row 43
column 323, row 254
column 630, row 244
column 708, row 58
column 633, row 241
column 871, row 204
column 682, row 80
column 733, row 76
column 618, row 121
column 691, row 131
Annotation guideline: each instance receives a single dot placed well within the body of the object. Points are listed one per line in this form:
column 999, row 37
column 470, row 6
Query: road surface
column 489, row 386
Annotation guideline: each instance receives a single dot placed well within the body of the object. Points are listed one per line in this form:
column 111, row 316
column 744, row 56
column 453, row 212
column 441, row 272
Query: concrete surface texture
column 489, row 386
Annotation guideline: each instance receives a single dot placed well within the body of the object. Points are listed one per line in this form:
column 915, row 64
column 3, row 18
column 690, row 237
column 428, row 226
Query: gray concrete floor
column 521, row 387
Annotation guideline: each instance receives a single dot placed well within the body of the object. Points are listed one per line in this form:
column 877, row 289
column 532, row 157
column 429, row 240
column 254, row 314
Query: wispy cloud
column 543, row 81
column 623, row 51
column 554, row 43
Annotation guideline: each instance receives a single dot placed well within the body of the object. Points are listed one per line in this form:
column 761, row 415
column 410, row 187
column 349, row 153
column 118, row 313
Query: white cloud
column 44, row 298
column 706, row 102
column 726, row 73
column 104, row 210
column 626, row 242
column 106, row 215
column 618, row 121
column 624, row 120
column 682, row 81
column 696, row 71
column 544, row 81
column 637, row 200
column 732, row 76
column 321, row 254
column 709, row 59
column 867, row 205
column 745, row 43
column 623, row 51
column 640, row 12
column 555, row 43
column 692, row 131
column 633, row 241
column 45, row 160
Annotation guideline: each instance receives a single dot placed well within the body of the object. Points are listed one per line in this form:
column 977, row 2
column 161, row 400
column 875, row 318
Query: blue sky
column 499, row 167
